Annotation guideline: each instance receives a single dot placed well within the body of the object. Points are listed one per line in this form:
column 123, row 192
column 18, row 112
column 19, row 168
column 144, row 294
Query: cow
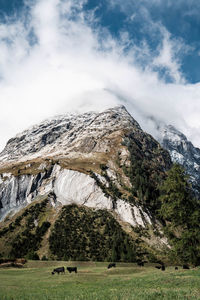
column 158, row 267
column 111, row 265
column 58, row 271
column 163, row 268
column 176, row 268
column 186, row 267
column 21, row 261
column 72, row 269
column 140, row 263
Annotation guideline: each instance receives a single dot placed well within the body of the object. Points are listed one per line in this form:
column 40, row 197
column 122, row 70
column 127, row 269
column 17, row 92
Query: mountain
column 100, row 167
column 59, row 155
column 183, row 152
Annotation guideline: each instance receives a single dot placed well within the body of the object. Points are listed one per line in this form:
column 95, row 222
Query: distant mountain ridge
column 183, row 152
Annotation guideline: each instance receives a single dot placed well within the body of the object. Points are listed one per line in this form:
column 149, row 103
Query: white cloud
column 77, row 66
column 167, row 56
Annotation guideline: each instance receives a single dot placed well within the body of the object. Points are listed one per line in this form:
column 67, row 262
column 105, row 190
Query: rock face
column 68, row 187
column 80, row 159
column 183, row 152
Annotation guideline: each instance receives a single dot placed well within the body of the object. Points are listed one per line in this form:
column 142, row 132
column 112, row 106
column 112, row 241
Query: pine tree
column 181, row 212
column 176, row 198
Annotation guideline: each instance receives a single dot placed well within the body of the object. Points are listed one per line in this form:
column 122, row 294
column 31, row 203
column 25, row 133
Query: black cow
column 111, row 265
column 58, row 270
column 176, row 268
column 163, row 268
column 140, row 263
column 186, row 267
column 72, row 269
column 158, row 267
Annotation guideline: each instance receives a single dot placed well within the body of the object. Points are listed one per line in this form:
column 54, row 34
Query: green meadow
column 95, row 282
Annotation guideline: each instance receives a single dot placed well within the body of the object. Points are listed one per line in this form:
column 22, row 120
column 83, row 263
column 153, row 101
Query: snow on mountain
column 65, row 134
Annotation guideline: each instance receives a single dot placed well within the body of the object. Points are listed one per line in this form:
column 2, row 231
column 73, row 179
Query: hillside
column 71, row 233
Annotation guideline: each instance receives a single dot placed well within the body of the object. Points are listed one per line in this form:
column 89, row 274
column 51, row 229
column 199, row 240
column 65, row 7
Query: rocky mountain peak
column 170, row 132
column 67, row 133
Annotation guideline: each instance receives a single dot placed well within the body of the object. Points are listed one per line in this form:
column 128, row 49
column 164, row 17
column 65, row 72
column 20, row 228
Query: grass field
column 95, row 282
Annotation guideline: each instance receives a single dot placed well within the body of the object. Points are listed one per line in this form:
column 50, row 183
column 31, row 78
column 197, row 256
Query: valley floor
column 94, row 281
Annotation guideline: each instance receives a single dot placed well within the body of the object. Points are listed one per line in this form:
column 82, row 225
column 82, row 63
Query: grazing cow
column 111, row 265
column 163, row 268
column 176, row 268
column 58, row 270
column 140, row 263
column 72, row 269
column 21, row 261
column 186, row 267
column 158, row 267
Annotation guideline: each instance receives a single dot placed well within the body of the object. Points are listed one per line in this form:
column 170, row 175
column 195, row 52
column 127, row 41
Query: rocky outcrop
column 17, row 192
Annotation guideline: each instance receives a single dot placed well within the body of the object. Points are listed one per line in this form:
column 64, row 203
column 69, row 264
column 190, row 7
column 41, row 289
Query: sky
column 59, row 56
